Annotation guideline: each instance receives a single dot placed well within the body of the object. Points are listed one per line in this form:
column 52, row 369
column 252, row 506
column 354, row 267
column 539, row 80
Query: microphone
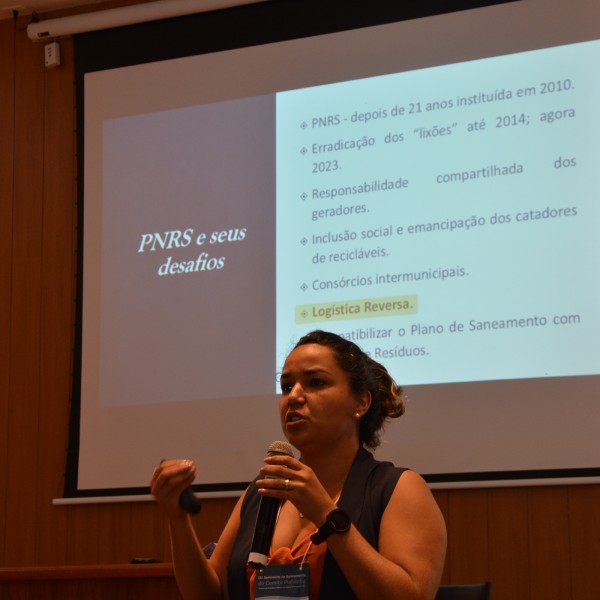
column 266, row 517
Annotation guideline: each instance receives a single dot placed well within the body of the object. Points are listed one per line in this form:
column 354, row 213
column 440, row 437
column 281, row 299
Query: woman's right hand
column 169, row 480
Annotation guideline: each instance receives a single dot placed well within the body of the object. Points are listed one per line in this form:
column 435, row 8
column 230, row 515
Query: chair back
column 467, row 591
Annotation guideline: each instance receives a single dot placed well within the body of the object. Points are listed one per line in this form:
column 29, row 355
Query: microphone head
column 277, row 448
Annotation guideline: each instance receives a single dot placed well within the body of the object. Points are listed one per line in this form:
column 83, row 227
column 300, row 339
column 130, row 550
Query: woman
column 379, row 532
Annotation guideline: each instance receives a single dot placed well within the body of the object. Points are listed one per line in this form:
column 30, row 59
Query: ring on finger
column 287, row 484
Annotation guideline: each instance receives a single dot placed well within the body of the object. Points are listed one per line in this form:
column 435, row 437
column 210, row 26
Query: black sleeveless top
column 366, row 493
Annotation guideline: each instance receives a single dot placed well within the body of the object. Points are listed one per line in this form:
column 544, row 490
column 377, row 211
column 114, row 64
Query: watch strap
column 330, row 527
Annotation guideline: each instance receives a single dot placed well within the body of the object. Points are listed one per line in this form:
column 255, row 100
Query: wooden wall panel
column 115, row 533
column 57, row 302
column 149, row 533
column 533, row 543
column 442, row 497
column 509, row 543
column 23, row 416
column 584, row 537
column 7, row 60
column 550, row 557
column 212, row 519
column 467, row 524
column 83, row 525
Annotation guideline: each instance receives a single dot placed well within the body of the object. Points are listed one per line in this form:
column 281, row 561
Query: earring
column 358, row 415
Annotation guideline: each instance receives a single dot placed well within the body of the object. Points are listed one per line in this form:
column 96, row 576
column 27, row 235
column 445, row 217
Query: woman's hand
column 287, row 478
column 169, row 480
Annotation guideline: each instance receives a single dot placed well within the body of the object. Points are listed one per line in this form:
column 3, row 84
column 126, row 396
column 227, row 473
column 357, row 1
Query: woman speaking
column 348, row 526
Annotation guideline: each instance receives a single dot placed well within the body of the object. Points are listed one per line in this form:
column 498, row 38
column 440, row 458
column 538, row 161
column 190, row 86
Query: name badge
column 282, row 582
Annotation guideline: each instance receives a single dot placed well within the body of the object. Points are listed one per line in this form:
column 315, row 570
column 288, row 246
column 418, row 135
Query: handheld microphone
column 266, row 517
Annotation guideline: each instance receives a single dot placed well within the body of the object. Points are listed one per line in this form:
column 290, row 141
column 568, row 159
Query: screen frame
column 239, row 27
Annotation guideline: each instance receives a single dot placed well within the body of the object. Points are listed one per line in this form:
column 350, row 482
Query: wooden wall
column 539, row 543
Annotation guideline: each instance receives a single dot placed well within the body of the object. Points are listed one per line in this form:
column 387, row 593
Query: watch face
column 339, row 520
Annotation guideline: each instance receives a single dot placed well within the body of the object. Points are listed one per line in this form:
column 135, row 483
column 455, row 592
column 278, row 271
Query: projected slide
column 435, row 203
column 444, row 218
column 187, row 254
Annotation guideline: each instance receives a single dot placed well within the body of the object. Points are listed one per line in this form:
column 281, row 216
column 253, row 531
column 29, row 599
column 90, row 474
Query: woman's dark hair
column 364, row 375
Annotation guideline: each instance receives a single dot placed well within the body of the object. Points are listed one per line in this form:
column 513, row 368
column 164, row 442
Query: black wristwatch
column 337, row 521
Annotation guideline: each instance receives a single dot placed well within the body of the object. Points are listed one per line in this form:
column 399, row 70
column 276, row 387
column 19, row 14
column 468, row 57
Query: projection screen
column 426, row 187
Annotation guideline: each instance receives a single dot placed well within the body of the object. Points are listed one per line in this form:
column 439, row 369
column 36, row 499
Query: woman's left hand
column 287, row 478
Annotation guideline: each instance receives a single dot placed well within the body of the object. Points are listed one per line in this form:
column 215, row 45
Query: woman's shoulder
column 381, row 472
